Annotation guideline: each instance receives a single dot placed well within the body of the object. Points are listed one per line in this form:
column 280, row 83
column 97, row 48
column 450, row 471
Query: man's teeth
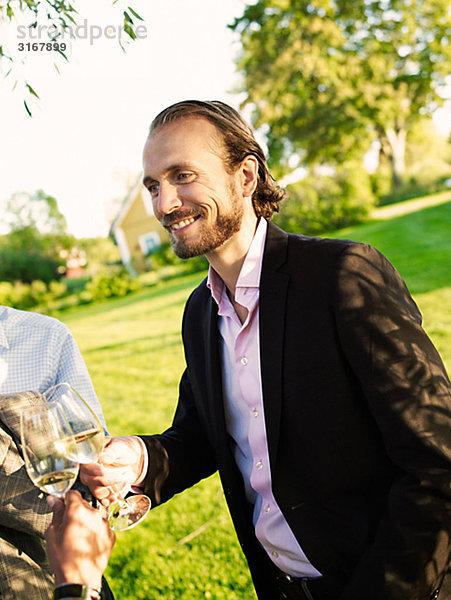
column 184, row 223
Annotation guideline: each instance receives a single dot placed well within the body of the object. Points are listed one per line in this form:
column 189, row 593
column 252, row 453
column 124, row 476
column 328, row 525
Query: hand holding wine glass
column 90, row 439
column 112, row 477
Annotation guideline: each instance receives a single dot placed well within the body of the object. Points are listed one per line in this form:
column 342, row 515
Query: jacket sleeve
column 182, row 455
column 408, row 393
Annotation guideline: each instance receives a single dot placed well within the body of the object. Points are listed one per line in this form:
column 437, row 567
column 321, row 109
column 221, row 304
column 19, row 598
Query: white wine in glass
column 86, row 426
column 49, row 449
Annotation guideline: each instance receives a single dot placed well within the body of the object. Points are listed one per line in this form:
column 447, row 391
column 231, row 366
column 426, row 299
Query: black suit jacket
column 357, row 412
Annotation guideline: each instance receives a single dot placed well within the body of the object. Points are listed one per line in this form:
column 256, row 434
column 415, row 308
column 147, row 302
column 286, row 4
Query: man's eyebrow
column 148, row 178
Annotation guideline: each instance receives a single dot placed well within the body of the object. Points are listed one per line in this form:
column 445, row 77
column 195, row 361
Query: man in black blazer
column 310, row 384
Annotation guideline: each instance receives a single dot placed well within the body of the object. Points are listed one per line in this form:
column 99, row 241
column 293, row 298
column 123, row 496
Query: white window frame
column 145, row 237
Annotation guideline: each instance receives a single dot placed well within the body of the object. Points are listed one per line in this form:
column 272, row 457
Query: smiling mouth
column 183, row 223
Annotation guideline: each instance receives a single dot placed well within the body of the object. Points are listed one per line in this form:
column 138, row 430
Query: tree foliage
column 38, row 236
column 38, row 210
column 63, row 17
column 428, row 166
column 329, row 76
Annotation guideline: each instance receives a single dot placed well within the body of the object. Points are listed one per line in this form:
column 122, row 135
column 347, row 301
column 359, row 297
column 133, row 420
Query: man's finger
column 104, row 477
column 57, row 506
column 91, row 470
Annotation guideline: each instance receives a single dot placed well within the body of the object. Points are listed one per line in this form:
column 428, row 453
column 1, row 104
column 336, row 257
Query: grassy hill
column 187, row 549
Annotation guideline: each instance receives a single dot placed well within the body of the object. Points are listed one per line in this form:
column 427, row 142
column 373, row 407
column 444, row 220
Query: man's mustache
column 168, row 220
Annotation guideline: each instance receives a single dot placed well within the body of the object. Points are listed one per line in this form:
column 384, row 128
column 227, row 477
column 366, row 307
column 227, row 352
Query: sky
column 84, row 142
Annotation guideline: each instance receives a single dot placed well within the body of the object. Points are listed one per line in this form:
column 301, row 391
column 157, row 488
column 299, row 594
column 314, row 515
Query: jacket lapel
column 273, row 294
column 214, row 399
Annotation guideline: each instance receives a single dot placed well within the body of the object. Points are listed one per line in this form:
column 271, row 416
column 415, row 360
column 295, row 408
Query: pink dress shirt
column 244, row 410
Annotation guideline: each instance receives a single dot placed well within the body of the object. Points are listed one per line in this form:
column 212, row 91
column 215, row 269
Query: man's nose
column 167, row 200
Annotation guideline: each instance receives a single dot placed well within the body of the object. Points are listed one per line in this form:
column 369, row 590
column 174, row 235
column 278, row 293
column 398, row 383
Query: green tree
column 38, row 235
column 63, row 17
column 38, row 210
column 327, row 77
column 428, row 165
column 37, row 225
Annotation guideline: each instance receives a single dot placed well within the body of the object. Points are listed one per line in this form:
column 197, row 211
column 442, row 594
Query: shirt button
column 275, row 554
column 255, row 412
column 259, row 464
column 244, row 361
column 267, row 508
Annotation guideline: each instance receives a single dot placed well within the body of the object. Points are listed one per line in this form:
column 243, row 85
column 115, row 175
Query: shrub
column 415, row 186
column 327, row 202
column 164, row 256
column 58, row 289
column 25, row 296
column 106, row 285
column 54, row 296
column 20, row 265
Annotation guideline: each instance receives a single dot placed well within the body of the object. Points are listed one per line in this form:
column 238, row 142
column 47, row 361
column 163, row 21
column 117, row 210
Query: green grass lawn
column 187, row 548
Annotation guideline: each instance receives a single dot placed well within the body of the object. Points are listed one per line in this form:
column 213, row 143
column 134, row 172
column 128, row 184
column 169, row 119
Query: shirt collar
column 249, row 276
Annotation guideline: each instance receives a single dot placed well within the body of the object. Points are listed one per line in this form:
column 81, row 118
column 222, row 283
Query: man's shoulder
column 26, row 319
column 318, row 247
column 322, row 244
column 200, row 294
column 275, row 232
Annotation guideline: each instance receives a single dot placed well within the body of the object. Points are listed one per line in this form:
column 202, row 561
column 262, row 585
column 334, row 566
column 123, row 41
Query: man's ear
column 249, row 175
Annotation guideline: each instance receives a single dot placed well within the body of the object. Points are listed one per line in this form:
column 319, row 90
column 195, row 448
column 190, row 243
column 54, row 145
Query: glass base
column 125, row 514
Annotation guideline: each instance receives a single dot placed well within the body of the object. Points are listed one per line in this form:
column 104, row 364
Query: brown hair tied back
column 239, row 142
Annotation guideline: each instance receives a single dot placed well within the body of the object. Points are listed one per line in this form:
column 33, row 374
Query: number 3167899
column 42, row 47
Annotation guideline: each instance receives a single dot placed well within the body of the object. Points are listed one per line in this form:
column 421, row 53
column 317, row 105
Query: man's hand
column 79, row 541
column 120, row 466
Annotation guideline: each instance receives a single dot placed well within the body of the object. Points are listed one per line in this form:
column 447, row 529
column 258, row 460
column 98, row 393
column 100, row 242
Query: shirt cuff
column 145, row 465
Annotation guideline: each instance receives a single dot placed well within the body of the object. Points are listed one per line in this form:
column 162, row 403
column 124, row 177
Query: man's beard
column 211, row 236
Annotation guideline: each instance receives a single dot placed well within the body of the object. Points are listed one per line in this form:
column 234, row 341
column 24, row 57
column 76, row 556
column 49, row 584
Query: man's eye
column 184, row 176
column 153, row 189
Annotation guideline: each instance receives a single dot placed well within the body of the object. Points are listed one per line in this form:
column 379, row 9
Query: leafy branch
column 57, row 17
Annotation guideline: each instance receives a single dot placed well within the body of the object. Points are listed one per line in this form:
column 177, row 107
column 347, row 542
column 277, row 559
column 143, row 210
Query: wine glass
column 49, row 449
column 87, row 429
column 89, row 436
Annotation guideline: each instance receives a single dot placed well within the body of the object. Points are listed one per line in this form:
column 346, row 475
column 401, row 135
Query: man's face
column 193, row 195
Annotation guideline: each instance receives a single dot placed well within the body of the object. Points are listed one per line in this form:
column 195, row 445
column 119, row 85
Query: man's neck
column 228, row 259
